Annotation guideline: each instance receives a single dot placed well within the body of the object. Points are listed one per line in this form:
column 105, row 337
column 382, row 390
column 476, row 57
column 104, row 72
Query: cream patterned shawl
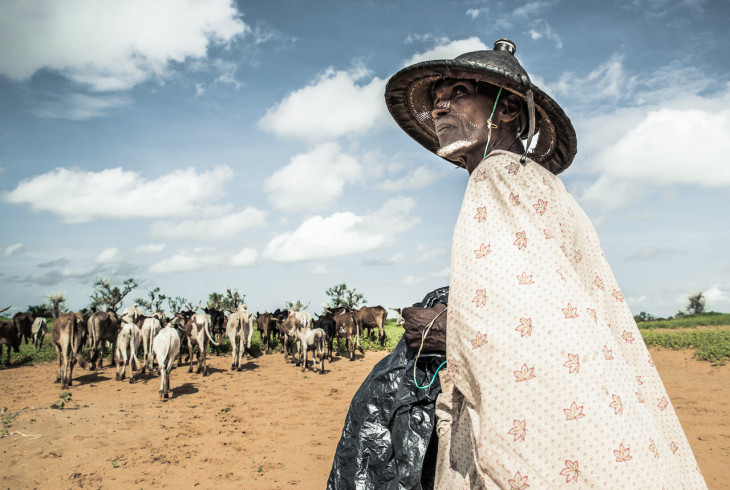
column 549, row 383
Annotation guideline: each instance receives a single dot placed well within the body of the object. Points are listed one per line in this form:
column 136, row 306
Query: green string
column 432, row 379
column 489, row 136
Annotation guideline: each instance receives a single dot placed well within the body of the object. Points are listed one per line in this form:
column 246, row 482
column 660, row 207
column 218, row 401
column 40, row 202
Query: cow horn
column 6, row 308
column 207, row 332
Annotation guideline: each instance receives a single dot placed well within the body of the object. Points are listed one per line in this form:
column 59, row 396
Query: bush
column 709, row 345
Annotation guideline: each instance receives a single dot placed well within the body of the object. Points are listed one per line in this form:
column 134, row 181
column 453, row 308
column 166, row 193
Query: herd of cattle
column 162, row 338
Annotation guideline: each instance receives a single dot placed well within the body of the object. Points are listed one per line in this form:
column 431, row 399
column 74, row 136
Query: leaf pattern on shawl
column 525, row 327
column 482, row 251
column 525, row 374
column 575, row 412
column 618, row 407
column 622, row 454
column 519, row 430
column 571, row 471
column 519, row 482
column 573, row 363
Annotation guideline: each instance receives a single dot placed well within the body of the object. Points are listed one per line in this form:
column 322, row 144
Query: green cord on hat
column 490, row 123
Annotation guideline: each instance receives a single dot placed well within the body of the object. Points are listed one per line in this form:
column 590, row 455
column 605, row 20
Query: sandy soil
column 270, row 426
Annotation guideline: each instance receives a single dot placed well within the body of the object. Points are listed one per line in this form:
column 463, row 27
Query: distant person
column 548, row 383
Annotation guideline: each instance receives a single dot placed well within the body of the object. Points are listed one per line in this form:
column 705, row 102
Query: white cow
column 131, row 314
column 150, row 328
column 288, row 331
column 127, row 346
column 313, row 339
column 240, row 330
column 167, row 347
column 39, row 331
column 198, row 332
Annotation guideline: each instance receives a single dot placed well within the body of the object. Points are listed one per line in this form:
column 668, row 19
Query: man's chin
column 454, row 149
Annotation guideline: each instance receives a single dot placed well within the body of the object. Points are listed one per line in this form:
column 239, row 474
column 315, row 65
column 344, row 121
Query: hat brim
column 408, row 97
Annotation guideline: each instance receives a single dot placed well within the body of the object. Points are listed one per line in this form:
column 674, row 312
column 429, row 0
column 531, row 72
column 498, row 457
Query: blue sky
column 204, row 145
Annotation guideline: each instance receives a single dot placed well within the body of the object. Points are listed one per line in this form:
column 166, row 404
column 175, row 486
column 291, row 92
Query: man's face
column 460, row 116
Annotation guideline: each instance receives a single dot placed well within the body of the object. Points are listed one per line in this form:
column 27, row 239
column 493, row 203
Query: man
column 548, row 382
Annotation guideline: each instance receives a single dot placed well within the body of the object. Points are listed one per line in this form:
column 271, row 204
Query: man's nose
column 439, row 109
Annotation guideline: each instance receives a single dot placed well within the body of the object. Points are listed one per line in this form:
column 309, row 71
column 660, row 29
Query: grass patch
column 709, row 345
column 688, row 321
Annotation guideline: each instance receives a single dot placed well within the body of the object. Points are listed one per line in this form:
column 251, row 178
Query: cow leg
column 190, row 355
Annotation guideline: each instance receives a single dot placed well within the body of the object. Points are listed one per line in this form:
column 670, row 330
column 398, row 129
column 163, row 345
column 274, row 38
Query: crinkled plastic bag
column 389, row 439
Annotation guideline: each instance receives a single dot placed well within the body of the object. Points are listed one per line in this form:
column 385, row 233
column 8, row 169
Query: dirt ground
column 269, row 426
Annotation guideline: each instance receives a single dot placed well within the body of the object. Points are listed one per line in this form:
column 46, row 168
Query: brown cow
column 68, row 333
column 267, row 324
column 23, row 322
column 9, row 336
column 103, row 327
column 346, row 326
column 370, row 317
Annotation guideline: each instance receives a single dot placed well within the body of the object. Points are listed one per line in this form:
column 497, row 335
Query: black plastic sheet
column 389, row 439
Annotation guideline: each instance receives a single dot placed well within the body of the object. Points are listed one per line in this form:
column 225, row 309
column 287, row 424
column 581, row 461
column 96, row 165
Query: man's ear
column 509, row 108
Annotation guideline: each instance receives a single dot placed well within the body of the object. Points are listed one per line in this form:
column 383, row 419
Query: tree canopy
column 229, row 301
column 108, row 297
column 155, row 300
column 343, row 297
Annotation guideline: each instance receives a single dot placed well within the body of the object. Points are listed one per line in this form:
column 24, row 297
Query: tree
column 230, row 301
column 44, row 310
column 298, row 306
column 108, row 297
column 342, row 297
column 179, row 304
column 695, row 304
column 155, row 301
column 644, row 317
column 57, row 302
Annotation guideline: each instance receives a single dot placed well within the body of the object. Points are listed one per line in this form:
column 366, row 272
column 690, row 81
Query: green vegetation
column 709, row 345
column 392, row 332
column 687, row 321
column 63, row 399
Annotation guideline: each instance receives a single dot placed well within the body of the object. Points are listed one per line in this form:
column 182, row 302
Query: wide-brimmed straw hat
column 408, row 96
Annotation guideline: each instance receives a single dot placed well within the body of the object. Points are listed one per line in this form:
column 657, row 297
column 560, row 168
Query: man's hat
column 409, row 98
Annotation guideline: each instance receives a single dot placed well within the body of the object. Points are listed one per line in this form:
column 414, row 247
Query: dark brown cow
column 9, row 336
column 23, row 322
column 371, row 317
column 346, row 326
column 267, row 324
column 68, row 333
column 103, row 327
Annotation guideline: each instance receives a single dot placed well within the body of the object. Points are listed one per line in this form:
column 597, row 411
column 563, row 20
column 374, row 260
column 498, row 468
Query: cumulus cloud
column 715, row 296
column 245, row 257
column 660, row 149
column 185, row 261
column 476, row 12
column 338, row 103
column 209, row 229
column 417, row 178
column 150, row 248
column 344, row 233
column 78, row 196
column 313, row 180
column 109, row 255
column 446, row 49
column 11, row 249
column 111, row 45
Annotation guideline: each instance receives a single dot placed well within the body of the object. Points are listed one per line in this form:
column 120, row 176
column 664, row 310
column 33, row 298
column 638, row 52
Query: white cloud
column 715, row 295
column 415, row 179
column 150, row 248
column 78, row 196
column 11, row 249
column 208, row 229
column 337, row 104
column 411, row 281
column 245, row 257
column 474, row 13
column 78, row 107
column 543, row 29
column 448, row 49
column 441, row 274
column 187, row 261
column 109, row 255
column 654, row 253
column 111, row 45
column 607, row 82
column 313, row 180
column 530, row 9
column 344, row 233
